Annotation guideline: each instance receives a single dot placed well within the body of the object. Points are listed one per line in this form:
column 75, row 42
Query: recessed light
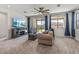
column 9, row 6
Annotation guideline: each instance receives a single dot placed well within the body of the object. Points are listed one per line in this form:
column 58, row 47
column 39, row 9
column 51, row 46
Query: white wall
column 76, row 30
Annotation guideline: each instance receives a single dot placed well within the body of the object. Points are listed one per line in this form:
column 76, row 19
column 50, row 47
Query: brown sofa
column 46, row 38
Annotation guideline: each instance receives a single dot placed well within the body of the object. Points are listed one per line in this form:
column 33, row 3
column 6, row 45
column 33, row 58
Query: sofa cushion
column 44, row 37
column 50, row 33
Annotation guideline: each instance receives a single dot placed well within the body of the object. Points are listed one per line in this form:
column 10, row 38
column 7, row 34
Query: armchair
column 46, row 38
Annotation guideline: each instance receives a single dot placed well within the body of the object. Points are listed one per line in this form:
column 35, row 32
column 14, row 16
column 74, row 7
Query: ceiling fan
column 41, row 10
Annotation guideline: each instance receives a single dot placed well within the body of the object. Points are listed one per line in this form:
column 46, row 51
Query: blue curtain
column 28, row 22
column 46, row 22
column 72, row 26
column 50, row 22
column 67, row 31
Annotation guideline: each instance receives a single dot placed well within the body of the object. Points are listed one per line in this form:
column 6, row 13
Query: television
column 18, row 22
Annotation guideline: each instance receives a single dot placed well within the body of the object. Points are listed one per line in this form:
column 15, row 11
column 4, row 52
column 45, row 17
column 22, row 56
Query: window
column 40, row 25
column 77, row 21
column 54, row 23
column 57, row 22
column 18, row 22
column 61, row 23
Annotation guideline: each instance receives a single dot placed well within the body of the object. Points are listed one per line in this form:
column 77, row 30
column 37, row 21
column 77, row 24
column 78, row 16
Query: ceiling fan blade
column 36, row 9
column 45, row 13
column 46, row 10
column 35, row 12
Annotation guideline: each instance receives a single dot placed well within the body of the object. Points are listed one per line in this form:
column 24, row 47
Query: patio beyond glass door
column 40, row 26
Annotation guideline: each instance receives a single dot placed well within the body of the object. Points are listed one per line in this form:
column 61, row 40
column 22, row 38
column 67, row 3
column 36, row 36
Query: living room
column 39, row 28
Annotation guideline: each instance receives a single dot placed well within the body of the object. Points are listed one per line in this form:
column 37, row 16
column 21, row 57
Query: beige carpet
column 24, row 46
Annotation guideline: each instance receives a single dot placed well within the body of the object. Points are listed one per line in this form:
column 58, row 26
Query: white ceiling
column 30, row 7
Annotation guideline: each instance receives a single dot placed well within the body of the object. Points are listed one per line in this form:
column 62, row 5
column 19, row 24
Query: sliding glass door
column 37, row 25
column 40, row 25
column 57, row 23
column 77, row 20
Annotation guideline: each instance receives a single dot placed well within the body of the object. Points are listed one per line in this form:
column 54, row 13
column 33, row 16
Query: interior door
column 3, row 25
